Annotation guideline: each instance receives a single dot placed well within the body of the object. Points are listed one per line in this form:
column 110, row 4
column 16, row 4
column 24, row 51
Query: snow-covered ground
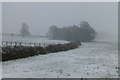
column 44, row 41
column 91, row 60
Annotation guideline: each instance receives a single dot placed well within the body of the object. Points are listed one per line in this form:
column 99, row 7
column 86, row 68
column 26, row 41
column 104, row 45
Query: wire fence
column 18, row 40
column 5, row 43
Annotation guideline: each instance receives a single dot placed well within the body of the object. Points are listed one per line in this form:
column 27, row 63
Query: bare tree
column 25, row 30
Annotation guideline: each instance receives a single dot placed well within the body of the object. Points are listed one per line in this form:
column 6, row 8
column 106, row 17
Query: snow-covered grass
column 44, row 41
column 91, row 60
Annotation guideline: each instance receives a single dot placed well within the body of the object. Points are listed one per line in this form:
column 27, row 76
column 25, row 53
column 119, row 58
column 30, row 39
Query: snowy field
column 91, row 60
column 29, row 39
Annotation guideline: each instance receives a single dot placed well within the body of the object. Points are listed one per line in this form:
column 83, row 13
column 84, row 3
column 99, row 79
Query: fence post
column 39, row 44
column 20, row 43
column 30, row 44
column 25, row 44
column 2, row 43
column 44, row 44
column 6, row 43
column 10, row 43
column 15, row 44
column 34, row 44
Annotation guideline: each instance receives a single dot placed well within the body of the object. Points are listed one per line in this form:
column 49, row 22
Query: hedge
column 17, row 52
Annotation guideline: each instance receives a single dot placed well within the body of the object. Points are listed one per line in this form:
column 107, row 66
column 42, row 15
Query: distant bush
column 17, row 52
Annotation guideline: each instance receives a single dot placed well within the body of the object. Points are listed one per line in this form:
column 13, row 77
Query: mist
column 41, row 15
column 59, row 40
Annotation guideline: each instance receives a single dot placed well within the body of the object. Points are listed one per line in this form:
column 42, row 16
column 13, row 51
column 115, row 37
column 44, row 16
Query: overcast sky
column 40, row 16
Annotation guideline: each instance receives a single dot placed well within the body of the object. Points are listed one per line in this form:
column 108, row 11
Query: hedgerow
column 17, row 52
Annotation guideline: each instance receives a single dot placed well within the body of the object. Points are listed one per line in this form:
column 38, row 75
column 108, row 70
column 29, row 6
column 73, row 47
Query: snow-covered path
column 91, row 60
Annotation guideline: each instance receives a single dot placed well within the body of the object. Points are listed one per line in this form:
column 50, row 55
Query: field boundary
column 18, row 51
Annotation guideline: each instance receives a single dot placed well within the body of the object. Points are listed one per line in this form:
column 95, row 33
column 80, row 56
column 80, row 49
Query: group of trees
column 83, row 32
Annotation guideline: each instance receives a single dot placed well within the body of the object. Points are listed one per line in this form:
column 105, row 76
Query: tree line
column 83, row 32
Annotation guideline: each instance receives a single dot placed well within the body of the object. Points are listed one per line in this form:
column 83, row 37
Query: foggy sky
column 40, row 16
column 0, row 18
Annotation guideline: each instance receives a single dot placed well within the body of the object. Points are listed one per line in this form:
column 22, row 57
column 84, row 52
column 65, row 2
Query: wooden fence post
column 34, row 44
column 2, row 43
column 10, row 43
column 39, row 44
column 30, row 44
column 25, row 44
column 6, row 43
column 44, row 44
column 20, row 43
column 15, row 44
